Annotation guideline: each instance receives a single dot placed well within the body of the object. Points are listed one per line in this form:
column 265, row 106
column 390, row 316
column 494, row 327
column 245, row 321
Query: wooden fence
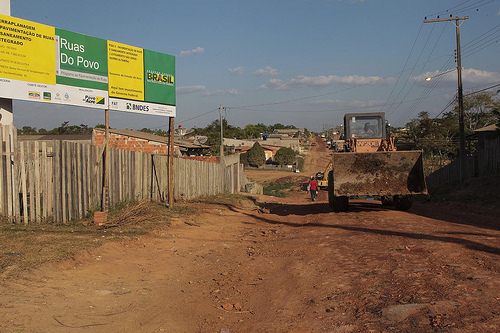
column 485, row 162
column 61, row 181
column 8, row 197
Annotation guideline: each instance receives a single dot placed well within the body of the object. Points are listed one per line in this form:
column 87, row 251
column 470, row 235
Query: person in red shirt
column 313, row 188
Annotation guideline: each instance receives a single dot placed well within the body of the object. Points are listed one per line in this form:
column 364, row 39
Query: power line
column 477, row 5
column 427, row 92
column 405, row 64
column 451, row 8
column 484, row 89
column 294, row 99
column 391, row 110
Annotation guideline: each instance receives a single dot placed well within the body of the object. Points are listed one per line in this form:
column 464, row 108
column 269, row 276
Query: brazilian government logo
column 160, row 78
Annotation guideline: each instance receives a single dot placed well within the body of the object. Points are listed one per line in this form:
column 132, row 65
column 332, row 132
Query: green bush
column 277, row 189
column 256, row 155
column 285, row 156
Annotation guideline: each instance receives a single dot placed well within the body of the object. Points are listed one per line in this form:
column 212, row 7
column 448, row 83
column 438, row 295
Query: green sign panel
column 159, row 78
column 82, row 60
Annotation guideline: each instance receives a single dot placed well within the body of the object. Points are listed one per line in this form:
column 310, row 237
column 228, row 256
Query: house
column 270, row 152
column 146, row 142
column 488, row 149
column 279, row 142
column 283, row 142
column 291, row 132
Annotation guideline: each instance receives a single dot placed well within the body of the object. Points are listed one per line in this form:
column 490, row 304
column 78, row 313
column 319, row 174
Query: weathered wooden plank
column 86, row 179
column 15, row 175
column 8, row 172
column 22, row 163
column 45, row 181
column 37, row 183
column 64, row 183
column 30, row 173
column 56, row 199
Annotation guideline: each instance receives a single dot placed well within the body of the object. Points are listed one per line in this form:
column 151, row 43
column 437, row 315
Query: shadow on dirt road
column 281, row 210
column 302, row 209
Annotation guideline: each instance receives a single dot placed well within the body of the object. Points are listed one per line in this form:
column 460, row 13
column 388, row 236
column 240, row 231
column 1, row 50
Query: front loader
column 369, row 165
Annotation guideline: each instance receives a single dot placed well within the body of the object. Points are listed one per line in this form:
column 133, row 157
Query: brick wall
column 130, row 143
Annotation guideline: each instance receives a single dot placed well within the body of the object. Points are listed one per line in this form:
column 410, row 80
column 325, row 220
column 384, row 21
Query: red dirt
column 290, row 266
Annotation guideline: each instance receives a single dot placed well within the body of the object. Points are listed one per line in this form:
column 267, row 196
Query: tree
column 244, row 159
column 256, row 155
column 254, row 131
column 433, row 136
column 478, row 111
column 281, row 126
column 285, row 156
column 27, row 130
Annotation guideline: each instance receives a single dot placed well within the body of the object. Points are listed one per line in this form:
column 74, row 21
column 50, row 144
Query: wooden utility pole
column 106, row 169
column 460, row 94
column 170, row 158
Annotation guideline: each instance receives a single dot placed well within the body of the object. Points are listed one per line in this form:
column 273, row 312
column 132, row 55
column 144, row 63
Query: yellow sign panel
column 125, row 71
column 27, row 51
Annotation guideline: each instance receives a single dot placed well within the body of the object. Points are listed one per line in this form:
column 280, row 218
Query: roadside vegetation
column 26, row 247
column 438, row 137
column 278, row 188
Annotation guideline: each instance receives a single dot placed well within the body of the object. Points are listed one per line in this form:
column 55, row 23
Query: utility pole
column 221, row 152
column 460, row 94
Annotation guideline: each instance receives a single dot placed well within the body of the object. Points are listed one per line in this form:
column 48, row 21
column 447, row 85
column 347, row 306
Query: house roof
column 153, row 137
column 271, row 148
column 489, row 128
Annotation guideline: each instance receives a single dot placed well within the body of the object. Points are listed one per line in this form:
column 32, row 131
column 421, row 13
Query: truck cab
column 366, row 132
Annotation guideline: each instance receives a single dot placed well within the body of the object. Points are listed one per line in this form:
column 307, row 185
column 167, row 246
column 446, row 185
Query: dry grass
column 143, row 212
column 25, row 247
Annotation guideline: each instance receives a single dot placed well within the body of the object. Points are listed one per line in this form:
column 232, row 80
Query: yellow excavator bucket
column 378, row 173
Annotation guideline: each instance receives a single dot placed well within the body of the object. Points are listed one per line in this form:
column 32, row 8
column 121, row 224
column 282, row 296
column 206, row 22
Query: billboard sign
column 46, row 64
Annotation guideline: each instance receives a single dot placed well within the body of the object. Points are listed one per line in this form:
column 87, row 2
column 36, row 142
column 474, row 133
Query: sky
column 299, row 62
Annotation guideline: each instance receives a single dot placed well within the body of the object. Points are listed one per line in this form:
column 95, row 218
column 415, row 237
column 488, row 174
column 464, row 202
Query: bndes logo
column 137, row 107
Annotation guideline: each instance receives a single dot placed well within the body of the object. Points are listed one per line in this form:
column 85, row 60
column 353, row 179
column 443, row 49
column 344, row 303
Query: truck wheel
column 340, row 204
column 402, row 202
column 330, row 190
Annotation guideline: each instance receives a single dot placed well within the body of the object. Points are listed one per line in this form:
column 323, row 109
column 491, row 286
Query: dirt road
column 287, row 266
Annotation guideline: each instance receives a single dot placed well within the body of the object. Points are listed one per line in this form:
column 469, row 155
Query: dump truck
column 368, row 165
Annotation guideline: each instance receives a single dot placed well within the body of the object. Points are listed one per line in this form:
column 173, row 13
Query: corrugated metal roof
column 489, row 128
column 153, row 137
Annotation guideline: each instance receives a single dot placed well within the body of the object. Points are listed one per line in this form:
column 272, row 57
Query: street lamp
column 429, row 78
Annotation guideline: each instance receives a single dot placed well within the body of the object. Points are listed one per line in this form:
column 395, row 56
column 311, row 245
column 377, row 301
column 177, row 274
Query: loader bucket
column 378, row 173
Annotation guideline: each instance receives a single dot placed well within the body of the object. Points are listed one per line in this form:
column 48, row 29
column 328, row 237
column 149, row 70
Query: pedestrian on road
column 313, row 188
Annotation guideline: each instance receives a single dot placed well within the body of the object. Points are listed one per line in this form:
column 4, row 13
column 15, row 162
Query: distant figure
column 368, row 130
column 313, row 188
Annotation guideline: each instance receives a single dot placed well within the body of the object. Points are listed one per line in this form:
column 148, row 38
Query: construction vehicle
column 370, row 166
column 322, row 177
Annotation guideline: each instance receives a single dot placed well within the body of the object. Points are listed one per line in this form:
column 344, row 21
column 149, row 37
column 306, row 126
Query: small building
column 270, row 152
column 146, row 142
column 488, row 150
column 292, row 132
